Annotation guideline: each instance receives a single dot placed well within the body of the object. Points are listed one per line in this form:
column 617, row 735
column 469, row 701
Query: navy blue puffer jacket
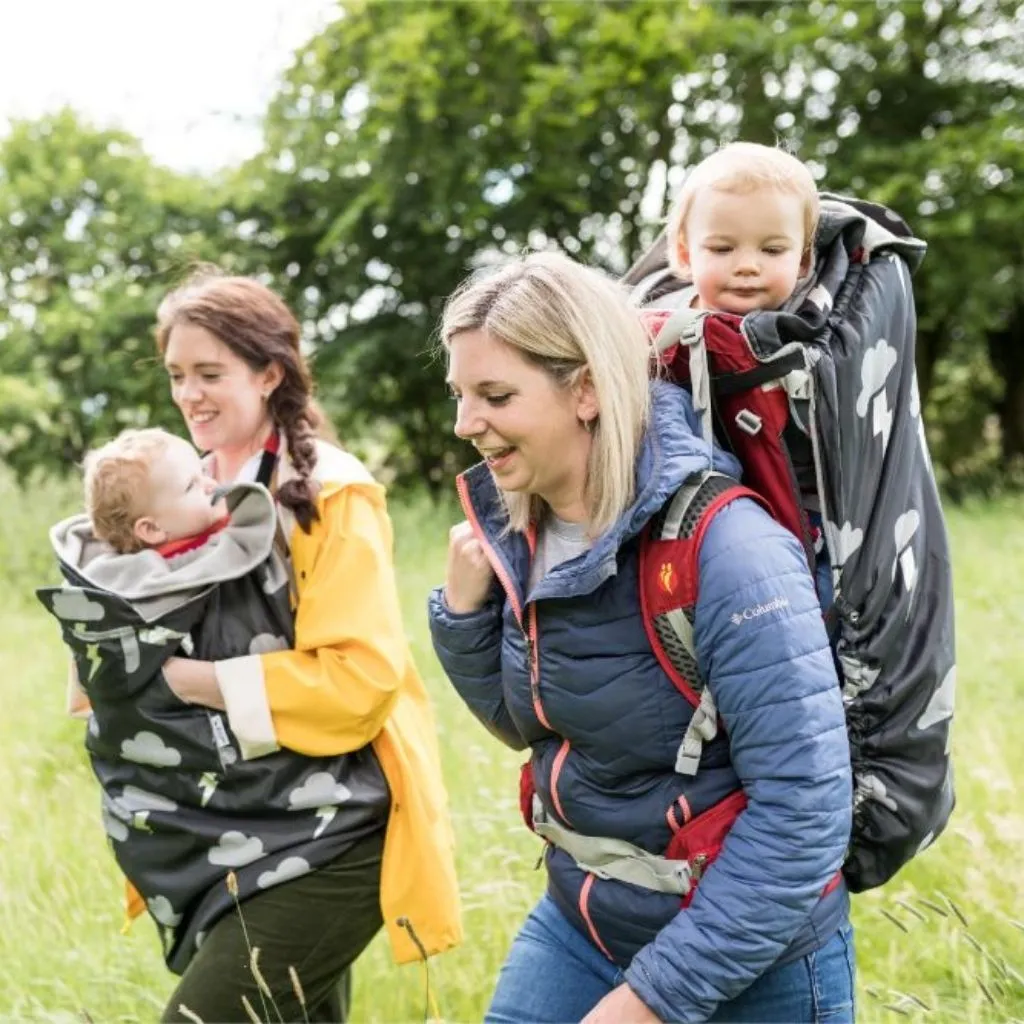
column 604, row 762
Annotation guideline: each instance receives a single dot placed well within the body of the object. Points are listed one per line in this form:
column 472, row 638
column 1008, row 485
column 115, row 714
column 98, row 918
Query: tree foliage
column 412, row 142
column 93, row 234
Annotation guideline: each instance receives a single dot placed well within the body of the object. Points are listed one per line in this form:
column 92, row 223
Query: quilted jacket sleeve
column 762, row 647
column 469, row 649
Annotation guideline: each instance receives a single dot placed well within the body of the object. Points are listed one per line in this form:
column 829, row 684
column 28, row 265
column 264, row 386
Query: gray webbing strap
column 686, row 326
column 615, row 858
column 702, row 729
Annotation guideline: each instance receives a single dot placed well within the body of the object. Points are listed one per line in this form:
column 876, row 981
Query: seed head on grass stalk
column 261, row 982
column 252, row 1014
column 297, row 989
column 231, row 881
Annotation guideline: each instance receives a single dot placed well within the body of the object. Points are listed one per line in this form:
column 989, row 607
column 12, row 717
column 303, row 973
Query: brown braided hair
column 260, row 329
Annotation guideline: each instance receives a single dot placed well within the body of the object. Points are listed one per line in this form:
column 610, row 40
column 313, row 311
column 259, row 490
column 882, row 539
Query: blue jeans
column 553, row 974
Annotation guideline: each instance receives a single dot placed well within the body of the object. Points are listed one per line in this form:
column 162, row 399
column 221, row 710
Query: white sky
column 191, row 78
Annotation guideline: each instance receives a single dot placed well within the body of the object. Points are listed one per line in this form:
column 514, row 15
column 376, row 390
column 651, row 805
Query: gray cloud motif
column 160, row 636
column 878, row 363
column 266, row 643
column 114, row 827
column 820, row 297
column 274, row 576
column 940, row 707
column 319, row 789
column 870, row 787
column 289, row 868
column 73, row 605
column 148, row 748
column 161, row 909
column 905, row 561
column 133, row 799
column 857, row 677
column 235, row 850
column 843, row 542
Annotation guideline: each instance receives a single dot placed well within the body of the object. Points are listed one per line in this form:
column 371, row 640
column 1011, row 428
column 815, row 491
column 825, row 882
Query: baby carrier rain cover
column 180, row 806
column 845, row 465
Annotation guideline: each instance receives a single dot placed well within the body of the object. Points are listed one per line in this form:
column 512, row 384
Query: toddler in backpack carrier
column 789, row 317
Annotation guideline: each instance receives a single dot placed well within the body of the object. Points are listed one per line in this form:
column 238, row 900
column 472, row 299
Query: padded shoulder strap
column 669, row 568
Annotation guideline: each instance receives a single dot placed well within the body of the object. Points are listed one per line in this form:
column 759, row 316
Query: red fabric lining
column 183, row 544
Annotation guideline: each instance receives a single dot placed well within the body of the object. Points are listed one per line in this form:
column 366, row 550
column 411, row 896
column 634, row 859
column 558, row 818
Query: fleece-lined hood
column 154, row 585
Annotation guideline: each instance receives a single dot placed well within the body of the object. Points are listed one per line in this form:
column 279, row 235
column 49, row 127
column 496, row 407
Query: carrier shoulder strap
column 669, row 574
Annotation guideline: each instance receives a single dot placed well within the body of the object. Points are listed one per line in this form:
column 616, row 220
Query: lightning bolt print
column 92, row 655
column 207, row 786
column 327, row 815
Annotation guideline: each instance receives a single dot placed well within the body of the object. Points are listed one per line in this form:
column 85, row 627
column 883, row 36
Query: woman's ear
column 272, row 377
column 587, row 407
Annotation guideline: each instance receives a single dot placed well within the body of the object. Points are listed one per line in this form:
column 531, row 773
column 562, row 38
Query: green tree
column 411, row 142
column 92, row 235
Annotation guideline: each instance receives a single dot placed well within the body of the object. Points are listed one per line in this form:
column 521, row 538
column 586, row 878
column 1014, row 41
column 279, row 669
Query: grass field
column 62, row 957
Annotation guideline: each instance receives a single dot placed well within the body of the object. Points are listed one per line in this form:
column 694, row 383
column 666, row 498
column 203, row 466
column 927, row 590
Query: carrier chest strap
column 615, row 859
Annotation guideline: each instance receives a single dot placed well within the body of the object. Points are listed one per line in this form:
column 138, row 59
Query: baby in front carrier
column 148, row 489
column 163, row 566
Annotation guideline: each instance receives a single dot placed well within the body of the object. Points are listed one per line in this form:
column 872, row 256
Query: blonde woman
column 539, row 628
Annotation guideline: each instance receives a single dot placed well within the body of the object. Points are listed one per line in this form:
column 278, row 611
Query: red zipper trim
column 556, row 768
column 533, row 641
column 588, row 884
column 499, row 569
column 529, row 628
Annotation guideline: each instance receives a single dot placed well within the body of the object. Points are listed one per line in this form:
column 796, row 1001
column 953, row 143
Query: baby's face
column 744, row 251
column 180, row 501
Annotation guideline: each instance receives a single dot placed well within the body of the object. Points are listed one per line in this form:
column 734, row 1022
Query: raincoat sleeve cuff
column 244, row 691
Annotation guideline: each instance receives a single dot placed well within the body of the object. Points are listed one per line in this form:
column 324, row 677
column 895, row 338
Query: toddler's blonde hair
column 741, row 168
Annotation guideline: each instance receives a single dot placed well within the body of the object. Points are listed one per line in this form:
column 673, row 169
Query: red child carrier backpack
column 819, row 402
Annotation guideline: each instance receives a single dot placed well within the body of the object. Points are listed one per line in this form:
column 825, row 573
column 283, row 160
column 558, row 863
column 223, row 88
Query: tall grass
column 945, row 940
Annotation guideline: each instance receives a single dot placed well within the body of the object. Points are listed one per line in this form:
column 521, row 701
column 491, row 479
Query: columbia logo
column 757, row 610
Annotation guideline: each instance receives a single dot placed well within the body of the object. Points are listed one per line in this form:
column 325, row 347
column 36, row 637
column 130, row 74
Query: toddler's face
column 180, row 500
column 744, row 251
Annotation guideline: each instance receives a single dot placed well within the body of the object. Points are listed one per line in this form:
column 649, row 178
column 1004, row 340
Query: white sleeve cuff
column 245, row 698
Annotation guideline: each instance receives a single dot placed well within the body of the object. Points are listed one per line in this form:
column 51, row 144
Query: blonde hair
column 566, row 318
column 118, row 483
column 740, row 168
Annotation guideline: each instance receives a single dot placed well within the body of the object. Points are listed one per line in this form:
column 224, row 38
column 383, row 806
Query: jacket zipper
column 528, row 625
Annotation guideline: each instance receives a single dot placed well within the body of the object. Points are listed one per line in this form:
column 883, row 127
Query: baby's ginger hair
column 118, row 483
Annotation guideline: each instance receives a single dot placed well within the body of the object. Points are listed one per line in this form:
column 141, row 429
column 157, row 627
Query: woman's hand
column 194, row 682
column 470, row 576
column 621, row 1006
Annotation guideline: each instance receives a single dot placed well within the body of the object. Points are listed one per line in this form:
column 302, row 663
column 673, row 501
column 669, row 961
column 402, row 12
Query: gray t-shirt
column 557, row 541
